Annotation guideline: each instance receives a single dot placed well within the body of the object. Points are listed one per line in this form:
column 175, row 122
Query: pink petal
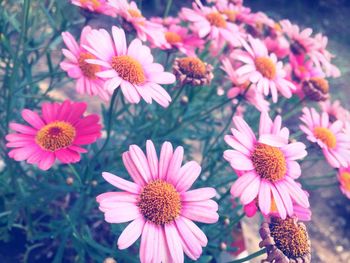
column 273, row 140
column 264, row 197
column 241, row 183
column 189, row 242
column 199, row 234
column 198, row 194
column 121, row 183
column 32, row 118
column 132, row 170
column 166, row 154
column 187, row 175
column 152, row 159
column 175, row 165
column 22, row 128
column 238, row 160
column 131, row 233
column 251, row 191
column 200, row 214
column 140, row 161
column 278, row 201
column 123, row 215
column 174, row 243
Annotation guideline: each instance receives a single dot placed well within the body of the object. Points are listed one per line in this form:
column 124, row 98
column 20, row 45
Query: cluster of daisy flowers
column 260, row 60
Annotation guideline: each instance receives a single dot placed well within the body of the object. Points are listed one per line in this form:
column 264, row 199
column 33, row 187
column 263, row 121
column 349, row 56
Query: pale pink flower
column 167, row 21
column 267, row 165
column 145, row 29
column 263, row 69
column 334, row 142
column 322, row 57
column 209, row 22
column 177, row 37
column 98, row 6
column 303, row 69
column 252, row 95
column 130, row 68
column 160, row 204
column 234, row 13
column 77, row 68
column 301, row 41
column 344, row 180
column 335, row 110
column 57, row 134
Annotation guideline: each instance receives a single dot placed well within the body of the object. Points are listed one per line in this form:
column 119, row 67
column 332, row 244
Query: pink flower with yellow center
column 98, row 6
column 335, row 110
column 134, row 20
column 266, row 166
column 159, row 204
column 57, row 134
column 209, row 22
column 344, row 180
column 177, row 37
column 76, row 66
column 263, row 69
column 130, row 68
column 334, row 142
column 252, row 95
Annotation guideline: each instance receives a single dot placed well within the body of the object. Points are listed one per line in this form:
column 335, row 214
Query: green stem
column 109, row 122
column 251, row 256
column 76, row 174
column 167, row 8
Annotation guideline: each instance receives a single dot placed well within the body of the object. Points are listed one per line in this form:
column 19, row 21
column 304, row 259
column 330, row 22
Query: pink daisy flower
column 266, row 165
column 263, row 69
column 344, row 180
column 130, row 68
column 98, row 6
column 159, row 204
column 133, row 19
column 253, row 96
column 57, row 134
column 301, row 40
column 177, row 37
column 334, row 142
column 335, row 110
column 208, row 21
column 77, row 68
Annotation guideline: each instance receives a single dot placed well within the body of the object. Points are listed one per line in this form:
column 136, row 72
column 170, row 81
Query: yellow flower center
column 129, row 69
column 345, row 180
column 290, row 237
column 320, row 84
column 326, row 136
column 269, row 162
column 87, row 69
column 192, row 67
column 94, row 3
column 173, row 37
column 230, row 14
column 55, row 136
column 266, row 67
column 216, row 19
column 159, row 202
column 135, row 13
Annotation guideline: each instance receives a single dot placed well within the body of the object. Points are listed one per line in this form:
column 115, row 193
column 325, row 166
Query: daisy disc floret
column 266, row 166
column 285, row 240
column 263, row 69
column 330, row 136
column 57, row 134
column 130, row 68
column 159, row 204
